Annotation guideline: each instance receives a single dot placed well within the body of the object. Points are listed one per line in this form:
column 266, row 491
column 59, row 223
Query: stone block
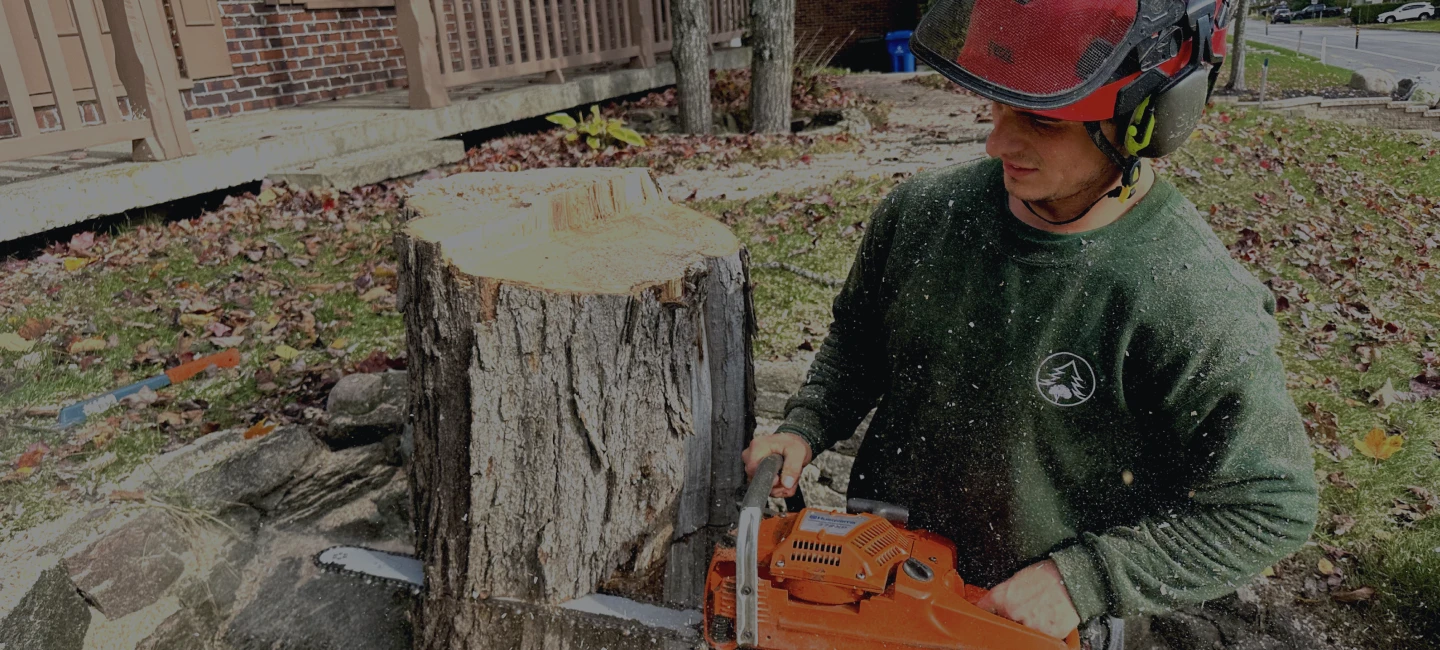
column 365, row 408
column 373, row 165
column 223, row 469
column 131, row 567
column 40, row 609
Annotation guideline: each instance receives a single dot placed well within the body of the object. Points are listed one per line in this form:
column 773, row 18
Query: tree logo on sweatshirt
column 1065, row 379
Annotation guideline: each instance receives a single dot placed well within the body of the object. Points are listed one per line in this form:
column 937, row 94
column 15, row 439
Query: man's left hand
column 1036, row 598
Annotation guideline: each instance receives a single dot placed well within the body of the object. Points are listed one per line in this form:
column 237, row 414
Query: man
column 1072, row 379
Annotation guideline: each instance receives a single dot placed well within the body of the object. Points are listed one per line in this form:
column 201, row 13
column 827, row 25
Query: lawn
column 1344, row 225
column 1289, row 71
column 1410, row 26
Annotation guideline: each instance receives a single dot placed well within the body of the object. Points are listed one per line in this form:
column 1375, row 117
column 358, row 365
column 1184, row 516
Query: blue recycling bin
column 901, row 58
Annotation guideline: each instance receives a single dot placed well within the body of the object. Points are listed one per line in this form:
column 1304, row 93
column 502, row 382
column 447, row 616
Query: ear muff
column 1176, row 110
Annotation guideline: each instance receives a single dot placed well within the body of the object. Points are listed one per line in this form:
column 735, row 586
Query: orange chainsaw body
column 830, row 580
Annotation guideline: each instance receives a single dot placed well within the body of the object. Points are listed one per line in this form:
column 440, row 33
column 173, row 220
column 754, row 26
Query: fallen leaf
column 1355, row 596
column 117, row 496
column 1386, row 396
column 286, row 352
column 15, row 343
column 261, row 429
column 143, row 397
column 1268, row 572
column 1325, row 567
column 87, row 345
column 1379, row 445
column 339, row 344
column 1343, row 524
column 266, row 197
column 196, row 320
column 375, row 293
column 29, row 460
column 34, row 328
column 227, row 341
column 75, row 263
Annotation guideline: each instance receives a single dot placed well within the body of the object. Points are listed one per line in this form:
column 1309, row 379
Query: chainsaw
column 859, row 580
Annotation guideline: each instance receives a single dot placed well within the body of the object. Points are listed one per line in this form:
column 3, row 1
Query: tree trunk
column 1237, row 58
column 772, row 24
column 691, row 53
column 573, row 342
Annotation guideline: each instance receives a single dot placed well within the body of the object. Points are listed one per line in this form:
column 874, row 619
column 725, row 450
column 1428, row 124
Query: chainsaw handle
column 764, row 479
column 227, row 359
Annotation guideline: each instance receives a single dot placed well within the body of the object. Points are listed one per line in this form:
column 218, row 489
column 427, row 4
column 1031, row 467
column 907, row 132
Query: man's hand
column 797, row 455
column 1036, row 598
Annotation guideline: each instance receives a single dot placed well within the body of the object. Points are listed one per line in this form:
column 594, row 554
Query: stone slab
column 131, row 567
column 373, row 165
column 1355, row 101
column 48, row 613
column 247, row 148
column 223, row 469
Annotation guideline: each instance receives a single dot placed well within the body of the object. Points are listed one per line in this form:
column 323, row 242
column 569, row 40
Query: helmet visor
column 1035, row 54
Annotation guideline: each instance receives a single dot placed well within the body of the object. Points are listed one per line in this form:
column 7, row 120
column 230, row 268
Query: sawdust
column 595, row 231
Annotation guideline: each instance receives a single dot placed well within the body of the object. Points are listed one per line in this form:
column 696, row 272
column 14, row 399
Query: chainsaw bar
column 372, row 566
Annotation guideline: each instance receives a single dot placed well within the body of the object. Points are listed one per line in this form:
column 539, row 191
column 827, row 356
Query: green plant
column 1366, row 14
column 597, row 129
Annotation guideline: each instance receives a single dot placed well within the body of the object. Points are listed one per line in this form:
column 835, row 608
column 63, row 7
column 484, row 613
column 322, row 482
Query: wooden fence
column 143, row 59
column 451, row 43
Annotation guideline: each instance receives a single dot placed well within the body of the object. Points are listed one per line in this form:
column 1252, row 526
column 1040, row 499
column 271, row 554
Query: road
column 1402, row 53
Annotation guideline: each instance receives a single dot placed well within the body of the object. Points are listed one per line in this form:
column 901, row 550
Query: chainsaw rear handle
column 760, row 484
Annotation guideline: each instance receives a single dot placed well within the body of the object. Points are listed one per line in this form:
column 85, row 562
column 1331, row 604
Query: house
column 138, row 102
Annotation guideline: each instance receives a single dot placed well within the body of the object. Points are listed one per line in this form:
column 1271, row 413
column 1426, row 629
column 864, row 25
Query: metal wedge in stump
column 580, row 373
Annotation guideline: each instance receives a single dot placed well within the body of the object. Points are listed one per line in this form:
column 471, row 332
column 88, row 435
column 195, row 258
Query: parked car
column 1318, row 11
column 1281, row 15
column 1412, row 11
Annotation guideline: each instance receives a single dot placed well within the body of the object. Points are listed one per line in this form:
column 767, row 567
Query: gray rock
column 130, row 567
column 205, row 602
column 780, row 376
column 50, row 616
column 223, row 469
column 1373, row 80
column 365, row 408
column 334, row 479
column 1425, row 88
column 834, row 470
column 770, row 405
column 299, row 608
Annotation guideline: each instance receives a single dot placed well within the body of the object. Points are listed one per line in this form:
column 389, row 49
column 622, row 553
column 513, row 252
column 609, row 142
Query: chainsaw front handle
column 747, row 546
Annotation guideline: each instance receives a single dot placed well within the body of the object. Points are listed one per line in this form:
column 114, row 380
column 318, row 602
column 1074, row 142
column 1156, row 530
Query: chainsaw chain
column 414, row 589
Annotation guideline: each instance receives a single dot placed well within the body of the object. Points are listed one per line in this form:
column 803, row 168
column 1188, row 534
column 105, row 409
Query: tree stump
column 580, row 377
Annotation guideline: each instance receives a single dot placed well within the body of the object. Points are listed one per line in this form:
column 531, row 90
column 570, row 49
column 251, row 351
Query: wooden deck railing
column 452, row 43
column 148, row 74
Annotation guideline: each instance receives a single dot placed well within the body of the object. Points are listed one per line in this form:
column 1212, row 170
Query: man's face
column 1045, row 159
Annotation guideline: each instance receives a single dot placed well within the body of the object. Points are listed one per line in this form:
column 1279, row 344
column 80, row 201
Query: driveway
column 1402, row 53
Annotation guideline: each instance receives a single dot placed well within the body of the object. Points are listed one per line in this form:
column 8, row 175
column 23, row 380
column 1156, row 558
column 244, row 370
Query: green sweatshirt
column 1110, row 400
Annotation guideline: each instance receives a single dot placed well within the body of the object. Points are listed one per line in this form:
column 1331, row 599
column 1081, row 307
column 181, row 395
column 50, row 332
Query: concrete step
column 372, row 165
column 1433, row 113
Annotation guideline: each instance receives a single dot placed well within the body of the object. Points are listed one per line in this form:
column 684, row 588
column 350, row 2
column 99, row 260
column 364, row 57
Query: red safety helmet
column 1154, row 61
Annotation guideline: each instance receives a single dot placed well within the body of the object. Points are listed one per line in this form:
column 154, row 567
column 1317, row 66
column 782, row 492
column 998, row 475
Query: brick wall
column 833, row 19
column 282, row 56
column 285, row 55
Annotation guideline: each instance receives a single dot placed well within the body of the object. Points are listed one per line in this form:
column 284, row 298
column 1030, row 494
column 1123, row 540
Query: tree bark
column 691, row 53
column 1237, row 58
column 574, row 341
column 772, row 24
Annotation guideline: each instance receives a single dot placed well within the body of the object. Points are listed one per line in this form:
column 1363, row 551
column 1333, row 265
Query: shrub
column 596, row 129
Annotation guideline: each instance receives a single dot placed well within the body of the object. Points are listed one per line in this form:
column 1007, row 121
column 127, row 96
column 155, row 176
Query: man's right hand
column 792, row 447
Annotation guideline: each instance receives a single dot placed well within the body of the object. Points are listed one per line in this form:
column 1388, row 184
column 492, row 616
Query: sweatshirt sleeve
column 848, row 374
column 1244, row 496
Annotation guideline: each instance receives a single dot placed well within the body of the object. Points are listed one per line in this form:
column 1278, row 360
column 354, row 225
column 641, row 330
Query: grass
column 1401, row 561
column 1331, row 21
column 1289, row 71
column 137, row 307
column 1409, row 26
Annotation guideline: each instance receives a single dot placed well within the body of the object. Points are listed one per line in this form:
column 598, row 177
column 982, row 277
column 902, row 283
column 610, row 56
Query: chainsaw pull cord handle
column 747, row 551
